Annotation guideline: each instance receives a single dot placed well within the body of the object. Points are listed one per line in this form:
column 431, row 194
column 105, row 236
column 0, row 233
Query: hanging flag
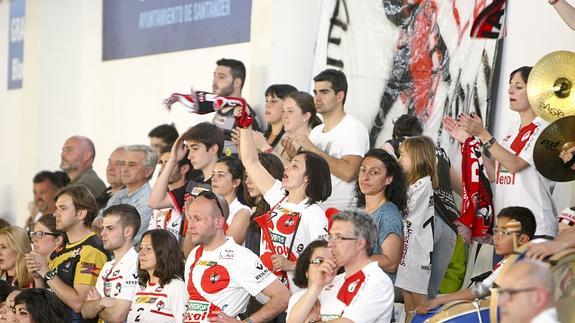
column 490, row 22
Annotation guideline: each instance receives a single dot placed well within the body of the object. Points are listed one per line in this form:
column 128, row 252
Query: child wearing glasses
column 503, row 243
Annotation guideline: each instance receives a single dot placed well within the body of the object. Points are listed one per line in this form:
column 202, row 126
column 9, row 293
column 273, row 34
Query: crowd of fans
column 302, row 222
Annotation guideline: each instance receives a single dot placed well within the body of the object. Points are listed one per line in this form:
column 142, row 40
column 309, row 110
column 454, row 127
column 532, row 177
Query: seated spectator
column 314, row 254
column 227, row 182
column 526, row 294
column 382, row 192
column 116, row 164
column 363, row 293
column 172, row 217
column 5, row 290
column 4, row 223
column 46, row 240
column 14, row 245
column 295, row 217
column 6, row 314
column 275, row 95
column 45, row 186
column 140, row 161
column 503, row 243
column 237, row 275
column 162, row 295
column 111, row 298
column 76, row 160
column 162, row 136
column 38, row 305
column 76, row 209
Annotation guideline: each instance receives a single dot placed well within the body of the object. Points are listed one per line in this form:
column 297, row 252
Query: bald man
column 526, row 294
column 76, row 160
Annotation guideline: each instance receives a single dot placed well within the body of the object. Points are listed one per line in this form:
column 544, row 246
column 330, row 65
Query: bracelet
column 553, row 2
column 489, row 143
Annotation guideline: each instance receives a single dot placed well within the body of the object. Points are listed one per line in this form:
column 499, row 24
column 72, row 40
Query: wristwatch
column 489, row 143
column 49, row 275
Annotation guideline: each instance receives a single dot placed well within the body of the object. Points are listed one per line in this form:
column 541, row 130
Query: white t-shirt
column 283, row 224
column 527, row 188
column 348, row 137
column 169, row 219
column 223, row 279
column 157, row 304
column 235, row 207
column 414, row 267
column 120, row 281
column 366, row 296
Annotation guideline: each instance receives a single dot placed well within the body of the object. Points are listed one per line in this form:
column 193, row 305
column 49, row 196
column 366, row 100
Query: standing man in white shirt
column 363, row 293
column 341, row 140
column 111, row 298
column 526, row 294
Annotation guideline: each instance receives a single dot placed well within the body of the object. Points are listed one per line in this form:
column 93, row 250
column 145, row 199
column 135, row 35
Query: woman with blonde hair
column 14, row 244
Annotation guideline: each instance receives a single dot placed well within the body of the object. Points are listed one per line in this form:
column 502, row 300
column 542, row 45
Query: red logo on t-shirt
column 350, row 287
column 215, row 279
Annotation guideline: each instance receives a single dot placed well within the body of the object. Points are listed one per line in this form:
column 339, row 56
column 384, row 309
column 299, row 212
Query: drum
column 457, row 311
column 563, row 271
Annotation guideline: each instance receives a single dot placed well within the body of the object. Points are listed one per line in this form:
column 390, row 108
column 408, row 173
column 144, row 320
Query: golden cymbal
column 558, row 136
column 549, row 88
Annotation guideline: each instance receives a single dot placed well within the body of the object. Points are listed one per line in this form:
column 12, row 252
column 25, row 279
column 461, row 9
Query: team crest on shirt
column 287, row 223
column 160, row 305
column 118, row 288
column 215, row 279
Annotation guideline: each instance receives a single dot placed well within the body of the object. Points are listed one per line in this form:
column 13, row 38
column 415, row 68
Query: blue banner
column 143, row 27
column 16, row 43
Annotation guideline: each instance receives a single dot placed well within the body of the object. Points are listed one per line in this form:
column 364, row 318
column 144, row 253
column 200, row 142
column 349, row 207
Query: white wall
column 69, row 90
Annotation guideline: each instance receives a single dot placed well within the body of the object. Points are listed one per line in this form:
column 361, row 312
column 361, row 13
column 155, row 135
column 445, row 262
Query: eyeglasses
column 41, row 234
column 212, row 196
column 502, row 232
column 337, row 238
column 508, row 293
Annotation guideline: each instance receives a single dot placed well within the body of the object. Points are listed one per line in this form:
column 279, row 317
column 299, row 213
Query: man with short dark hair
column 162, row 136
column 332, row 140
column 168, row 213
column 220, row 274
column 76, row 160
column 229, row 79
column 111, row 298
column 73, row 270
column 45, row 185
column 363, row 293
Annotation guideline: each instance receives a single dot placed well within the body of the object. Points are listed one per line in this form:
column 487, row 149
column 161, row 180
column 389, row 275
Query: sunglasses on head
column 212, row 196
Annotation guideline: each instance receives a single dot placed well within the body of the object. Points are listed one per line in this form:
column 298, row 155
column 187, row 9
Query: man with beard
column 76, row 160
column 362, row 293
column 221, row 275
column 228, row 81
